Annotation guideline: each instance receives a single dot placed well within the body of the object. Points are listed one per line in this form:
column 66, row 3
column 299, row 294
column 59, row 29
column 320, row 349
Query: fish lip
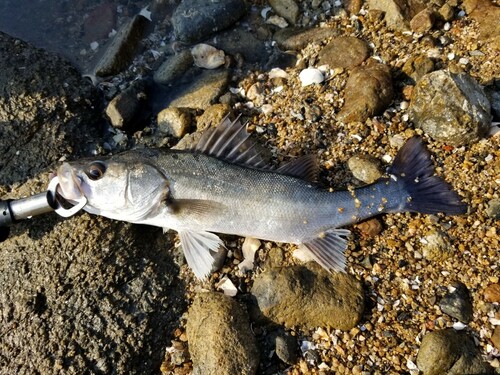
column 70, row 185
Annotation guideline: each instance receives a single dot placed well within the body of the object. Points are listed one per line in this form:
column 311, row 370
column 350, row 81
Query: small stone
column 492, row 293
column 288, row 9
column 495, row 339
column 446, row 12
column 436, row 246
column 344, row 52
column 286, row 348
column 173, row 68
column 417, row 66
column 423, row 21
column 458, row 303
column 369, row 228
column 174, row 121
column 213, row 116
column 393, row 13
column 353, row 6
column 493, row 209
column 365, row 168
column 277, row 21
column 124, row 108
column 207, row 56
column 295, row 38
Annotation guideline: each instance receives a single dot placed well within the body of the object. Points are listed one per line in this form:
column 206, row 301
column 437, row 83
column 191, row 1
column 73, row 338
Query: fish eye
column 96, row 170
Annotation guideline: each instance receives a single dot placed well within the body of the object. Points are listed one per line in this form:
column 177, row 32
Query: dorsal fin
column 305, row 167
column 230, row 141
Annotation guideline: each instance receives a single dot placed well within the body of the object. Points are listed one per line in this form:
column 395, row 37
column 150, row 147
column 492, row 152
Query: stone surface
column 125, row 109
column 457, row 303
column 450, row 108
column 46, row 110
column 204, row 91
column 120, row 51
column 486, row 14
column 365, row 168
column 288, row 9
column 368, row 92
column 492, row 293
column 417, row 66
column 286, row 348
column 495, row 339
column 344, row 52
column 308, row 297
column 196, row 20
column 448, row 352
column 212, row 116
column 240, row 42
column 220, row 338
column 173, row 67
column 100, row 22
column 394, row 12
column 493, row 209
column 295, row 38
column 436, row 246
column 174, row 121
column 423, row 21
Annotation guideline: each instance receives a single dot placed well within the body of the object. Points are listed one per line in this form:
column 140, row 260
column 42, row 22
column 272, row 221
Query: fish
column 223, row 185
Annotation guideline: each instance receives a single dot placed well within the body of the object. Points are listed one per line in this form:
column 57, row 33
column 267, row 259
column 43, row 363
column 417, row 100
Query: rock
column 213, row 116
column 423, row 21
column 174, row 67
column 365, row 168
column 344, row 52
column 240, row 42
column 495, row 339
column 196, row 20
column 294, row 38
column 395, row 12
column 308, row 297
column 493, row 209
column 486, row 14
column 288, row 9
column 46, row 110
column 125, row 108
column 448, row 352
column 369, row 228
column 204, row 91
column 492, row 293
column 457, row 303
column 99, row 23
column 174, row 121
column 417, row 66
column 207, row 56
column 446, row 12
column 218, row 325
column 120, row 51
column 286, row 348
column 436, row 246
column 353, row 6
column 450, row 108
column 368, row 92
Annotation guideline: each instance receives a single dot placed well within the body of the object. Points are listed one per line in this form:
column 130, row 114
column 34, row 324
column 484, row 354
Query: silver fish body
column 205, row 190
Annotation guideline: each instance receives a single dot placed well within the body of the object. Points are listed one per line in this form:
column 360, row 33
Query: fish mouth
column 70, row 185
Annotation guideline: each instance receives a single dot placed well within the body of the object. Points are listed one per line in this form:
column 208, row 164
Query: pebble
column 492, row 293
column 450, row 108
column 218, row 325
column 277, row 21
column 365, row 168
column 417, row 66
column 241, row 42
column 308, row 297
column 435, row 245
column 310, row 76
column 377, row 93
column 123, row 110
column 196, row 20
column 296, row 38
column 286, row 348
column 423, row 21
column 493, row 209
column 392, row 13
column 344, row 52
column 173, row 67
column 207, row 56
column 369, row 228
column 448, row 352
column 457, row 303
column 495, row 339
column 288, row 9
column 174, row 121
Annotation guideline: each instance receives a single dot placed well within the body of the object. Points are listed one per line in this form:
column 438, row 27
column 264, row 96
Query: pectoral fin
column 328, row 248
column 197, row 247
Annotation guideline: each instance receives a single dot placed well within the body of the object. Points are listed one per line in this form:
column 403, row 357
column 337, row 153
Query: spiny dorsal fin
column 306, row 167
column 230, row 141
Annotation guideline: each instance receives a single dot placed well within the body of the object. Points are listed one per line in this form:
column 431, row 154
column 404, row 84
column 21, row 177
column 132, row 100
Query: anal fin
column 197, row 247
column 328, row 248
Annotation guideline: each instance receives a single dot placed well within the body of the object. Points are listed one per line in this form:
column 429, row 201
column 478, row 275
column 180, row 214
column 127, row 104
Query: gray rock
column 368, row 92
column 450, row 108
column 448, row 352
column 173, row 67
column 308, row 297
column 241, row 42
column 344, row 52
column 124, row 108
column 288, row 9
column 219, row 336
column 295, row 38
column 286, row 348
column 365, row 168
column 47, row 111
column 204, row 91
column 174, row 121
column 436, row 246
column 120, row 51
column 493, row 209
column 417, row 66
column 196, row 20
column 458, row 303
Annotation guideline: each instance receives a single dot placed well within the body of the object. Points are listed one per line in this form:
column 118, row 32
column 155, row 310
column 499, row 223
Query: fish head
column 116, row 188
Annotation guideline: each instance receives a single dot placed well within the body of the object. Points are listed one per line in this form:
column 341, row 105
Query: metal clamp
column 60, row 209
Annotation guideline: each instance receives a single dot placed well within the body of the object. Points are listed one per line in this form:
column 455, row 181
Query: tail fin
column 428, row 194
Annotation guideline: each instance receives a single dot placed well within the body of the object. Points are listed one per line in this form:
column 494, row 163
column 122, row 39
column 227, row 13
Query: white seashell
column 277, row 21
column 277, row 73
column 265, row 11
column 458, row 326
column 310, row 76
column 227, row 286
column 207, row 56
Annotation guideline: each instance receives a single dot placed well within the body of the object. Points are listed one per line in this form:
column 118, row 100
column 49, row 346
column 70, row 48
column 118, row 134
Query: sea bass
column 223, row 185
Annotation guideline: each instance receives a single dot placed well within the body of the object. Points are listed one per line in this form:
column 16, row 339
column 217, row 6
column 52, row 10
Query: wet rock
column 120, row 51
column 368, row 92
column 125, row 109
column 212, row 116
column 294, row 38
column 196, row 20
column 450, row 108
column 423, row 21
column 457, row 303
column 493, row 209
column 46, row 110
column 286, row 348
column 417, row 66
column 204, row 91
column 240, row 42
column 448, row 352
column 436, row 246
column 218, row 325
column 486, row 14
column 100, row 22
column 174, row 121
column 365, row 168
column 308, row 296
column 344, row 52
column 288, row 9
column 492, row 293
column 174, row 67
